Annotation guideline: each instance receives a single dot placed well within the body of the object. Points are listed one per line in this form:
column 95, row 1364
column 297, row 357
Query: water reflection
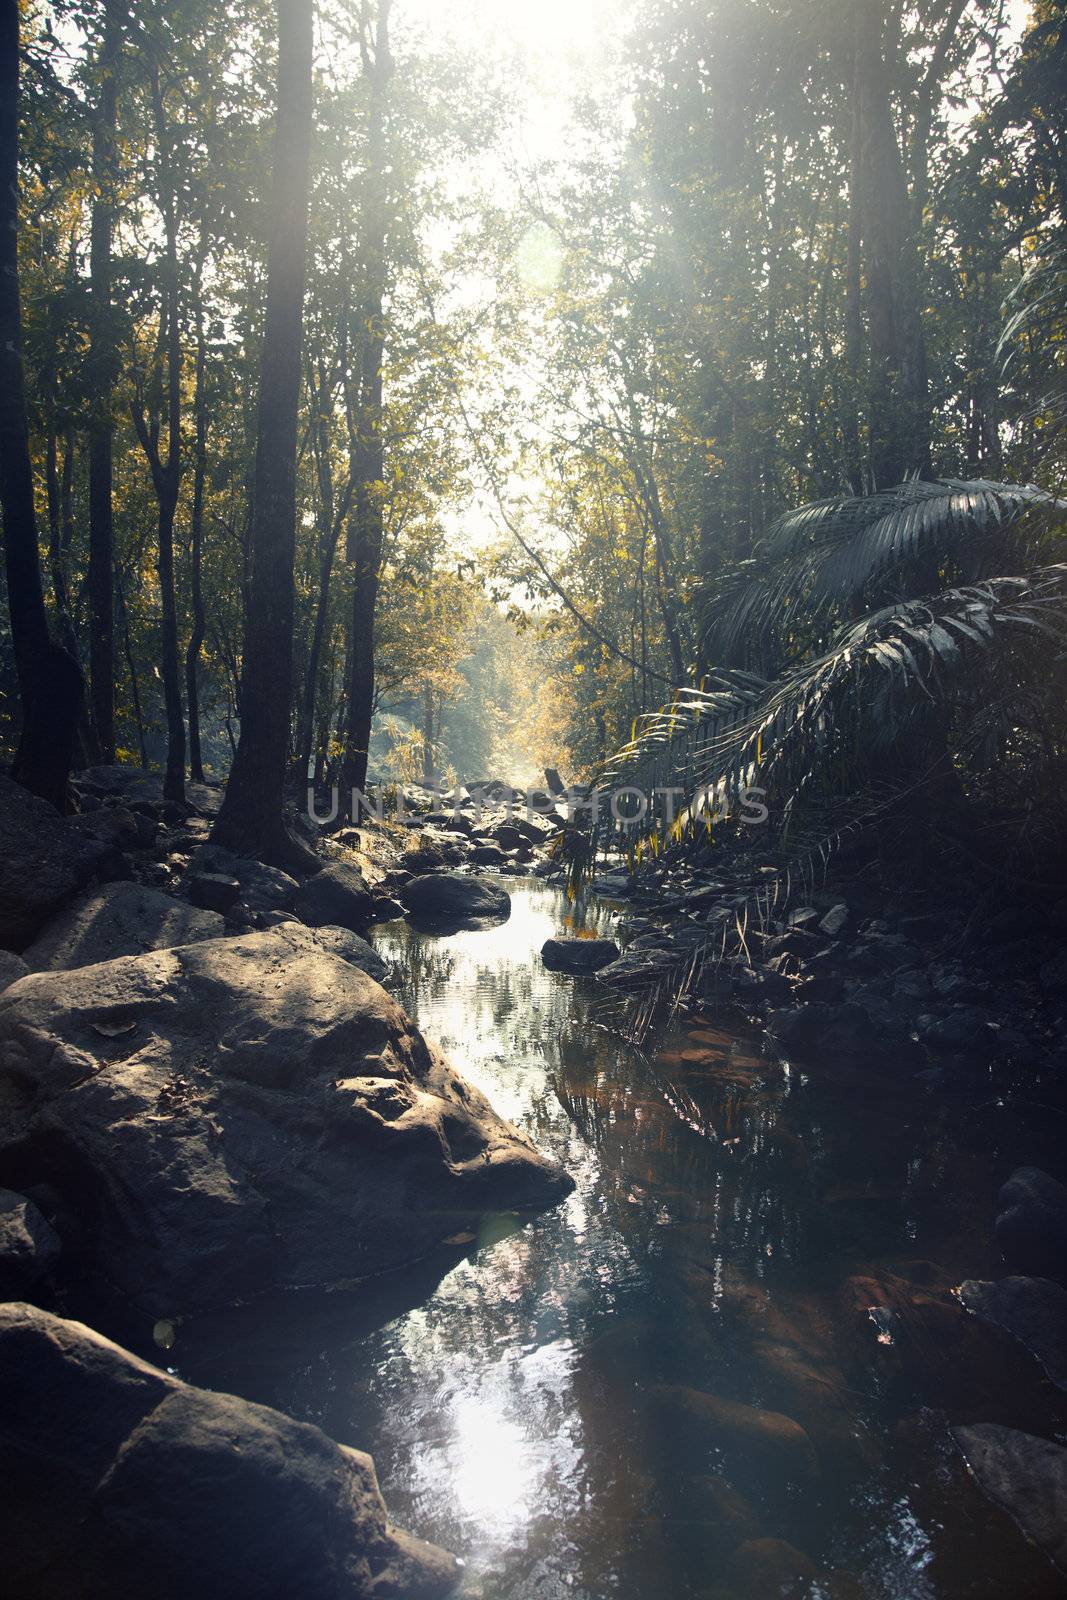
column 533, row 1409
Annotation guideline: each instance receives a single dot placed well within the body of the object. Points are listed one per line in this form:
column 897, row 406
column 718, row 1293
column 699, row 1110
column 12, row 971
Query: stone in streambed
column 1031, row 1228
column 1026, row 1476
column 338, row 896
column 1032, row 1310
column 578, row 955
column 746, row 1434
column 247, row 1114
column 125, row 1481
column 119, row 919
column 443, row 896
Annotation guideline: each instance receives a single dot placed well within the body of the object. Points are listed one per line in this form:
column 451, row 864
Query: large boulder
column 1031, row 1227
column 119, row 919
column 1025, row 1475
column 44, row 860
column 354, row 949
column 245, row 1114
column 578, row 955
column 338, row 896
column 12, row 968
column 448, row 896
column 263, row 889
column 1032, row 1310
column 122, row 1480
column 29, row 1246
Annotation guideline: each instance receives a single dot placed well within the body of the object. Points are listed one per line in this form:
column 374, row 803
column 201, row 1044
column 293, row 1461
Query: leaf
column 112, row 1030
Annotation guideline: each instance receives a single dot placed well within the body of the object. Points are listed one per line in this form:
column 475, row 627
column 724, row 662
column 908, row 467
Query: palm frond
column 835, row 558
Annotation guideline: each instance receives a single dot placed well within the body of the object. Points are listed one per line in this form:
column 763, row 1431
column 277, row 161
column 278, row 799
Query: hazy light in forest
column 539, row 258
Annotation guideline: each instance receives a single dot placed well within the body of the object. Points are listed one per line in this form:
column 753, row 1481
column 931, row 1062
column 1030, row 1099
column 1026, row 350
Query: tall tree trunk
column 50, row 682
column 853, row 385
column 251, row 818
column 166, row 470
column 898, row 402
column 366, row 530
column 196, row 550
column 100, row 585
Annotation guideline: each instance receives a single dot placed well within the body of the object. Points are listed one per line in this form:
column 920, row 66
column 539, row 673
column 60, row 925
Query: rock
column 488, row 855
column 44, row 860
column 353, row 949
column 336, row 897
column 213, row 891
column 1024, row 1475
column 578, row 955
column 750, row 1436
column 726, row 1516
column 246, row 1114
column 126, row 1481
column 833, row 923
column 29, row 1246
column 1033, row 1310
column 129, row 784
column 765, row 1567
column 612, row 885
column 12, row 968
column 964, row 1028
column 1052, row 976
column 119, row 919
column 641, row 968
column 263, row 888
column 443, row 896
column 1031, row 1229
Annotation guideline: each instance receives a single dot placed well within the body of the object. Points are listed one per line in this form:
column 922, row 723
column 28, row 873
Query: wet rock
column 1053, row 975
column 119, row 919
column 29, row 1246
column 338, row 896
column 45, row 859
column 443, row 896
column 762, row 1568
column 124, row 1480
column 640, row 968
column 1026, row 1476
column 246, row 1114
column 747, row 1435
column 12, row 968
column 1033, row 1310
column 727, row 1517
column 1031, row 1229
column 965, row 1028
column 488, row 855
column 578, row 955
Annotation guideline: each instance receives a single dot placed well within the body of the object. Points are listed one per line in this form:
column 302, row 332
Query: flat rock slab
column 448, row 896
column 122, row 1480
column 578, row 955
column 1033, row 1310
column 1025, row 1475
column 247, row 1114
column 119, row 919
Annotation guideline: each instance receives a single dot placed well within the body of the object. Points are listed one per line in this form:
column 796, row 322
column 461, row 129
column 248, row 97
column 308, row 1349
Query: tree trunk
column 366, row 531
column 196, row 552
column 251, row 818
column 427, row 736
column 100, row 584
column 50, row 682
column 898, row 402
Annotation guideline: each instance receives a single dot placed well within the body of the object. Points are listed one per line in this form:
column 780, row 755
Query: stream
column 512, row 1393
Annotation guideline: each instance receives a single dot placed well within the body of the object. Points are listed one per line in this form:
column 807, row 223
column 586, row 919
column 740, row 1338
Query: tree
column 50, row 683
column 251, row 819
column 101, row 371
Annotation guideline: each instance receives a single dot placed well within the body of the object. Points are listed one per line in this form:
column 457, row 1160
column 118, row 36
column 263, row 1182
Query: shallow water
column 720, row 1202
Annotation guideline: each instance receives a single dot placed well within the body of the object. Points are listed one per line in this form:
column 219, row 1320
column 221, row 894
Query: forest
column 534, row 536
